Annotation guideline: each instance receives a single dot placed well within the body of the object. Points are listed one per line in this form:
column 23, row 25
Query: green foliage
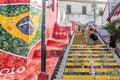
column 13, row 10
column 111, row 27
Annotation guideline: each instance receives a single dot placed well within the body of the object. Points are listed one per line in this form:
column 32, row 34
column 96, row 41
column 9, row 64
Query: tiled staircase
column 88, row 61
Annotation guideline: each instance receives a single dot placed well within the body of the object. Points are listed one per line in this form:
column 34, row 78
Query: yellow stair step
column 77, row 70
column 88, row 64
column 89, row 59
column 77, row 77
column 77, row 64
column 107, row 70
column 89, row 54
column 107, row 77
column 91, row 51
column 87, row 45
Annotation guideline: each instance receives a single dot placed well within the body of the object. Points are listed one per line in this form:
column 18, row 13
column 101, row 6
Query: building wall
column 110, row 5
column 106, row 14
column 61, row 17
column 117, row 11
column 76, row 12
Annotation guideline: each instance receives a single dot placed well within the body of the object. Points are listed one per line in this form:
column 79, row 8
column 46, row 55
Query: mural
column 20, row 39
column 20, row 31
column 20, row 27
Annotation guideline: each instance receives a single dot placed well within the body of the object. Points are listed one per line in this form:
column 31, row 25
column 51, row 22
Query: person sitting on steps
column 93, row 36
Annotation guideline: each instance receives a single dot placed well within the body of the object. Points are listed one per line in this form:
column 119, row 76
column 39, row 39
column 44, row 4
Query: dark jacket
column 112, row 41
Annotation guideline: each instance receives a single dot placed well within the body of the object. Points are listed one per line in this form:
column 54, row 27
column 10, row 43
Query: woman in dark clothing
column 112, row 41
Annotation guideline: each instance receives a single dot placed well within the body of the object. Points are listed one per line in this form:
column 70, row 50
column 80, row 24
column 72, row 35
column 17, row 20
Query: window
column 84, row 10
column 68, row 9
column 100, row 11
column 49, row 4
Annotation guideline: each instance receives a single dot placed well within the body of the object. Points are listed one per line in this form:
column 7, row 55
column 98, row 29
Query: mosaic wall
column 20, row 28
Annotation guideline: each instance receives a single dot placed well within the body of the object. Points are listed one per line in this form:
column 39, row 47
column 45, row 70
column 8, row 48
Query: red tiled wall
column 14, row 1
